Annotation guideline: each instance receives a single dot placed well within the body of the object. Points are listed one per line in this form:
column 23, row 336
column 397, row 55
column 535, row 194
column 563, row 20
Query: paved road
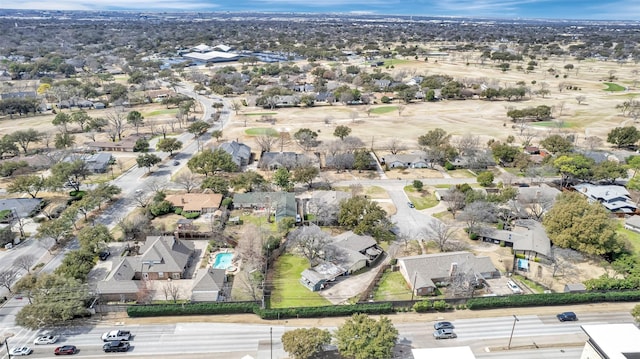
column 228, row 340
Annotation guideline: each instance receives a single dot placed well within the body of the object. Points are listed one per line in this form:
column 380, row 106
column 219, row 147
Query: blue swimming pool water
column 223, row 260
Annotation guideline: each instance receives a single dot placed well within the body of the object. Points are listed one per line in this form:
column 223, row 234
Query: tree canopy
column 364, row 216
column 623, row 136
column 575, row 223
column 362, row 337
column 304, row 343
column 208, row 162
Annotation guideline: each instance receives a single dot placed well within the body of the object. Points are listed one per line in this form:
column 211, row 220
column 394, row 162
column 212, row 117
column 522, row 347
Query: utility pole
column 413, row 288
column 271, row 340
column 515, row 319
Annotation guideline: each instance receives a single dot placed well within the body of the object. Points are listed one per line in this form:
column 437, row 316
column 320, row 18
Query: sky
column 505, row 9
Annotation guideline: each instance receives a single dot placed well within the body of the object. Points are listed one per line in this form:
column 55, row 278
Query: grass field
column 167, row 111
column 613, row 87
column 553, row 124
column 260, row 131
column 395, row 62
column 383, row 109
column 287, row 290
column 260, row 114
column 392, row 287
column 421, row 200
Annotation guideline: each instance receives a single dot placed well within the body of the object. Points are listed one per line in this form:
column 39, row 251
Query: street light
column 515, row 319
column 6, row 345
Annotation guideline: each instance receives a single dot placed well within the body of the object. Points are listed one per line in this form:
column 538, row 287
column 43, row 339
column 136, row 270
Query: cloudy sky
column 555, row 9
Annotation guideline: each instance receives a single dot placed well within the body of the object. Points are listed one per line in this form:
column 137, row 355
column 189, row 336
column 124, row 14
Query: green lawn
column 392, row 287
column 421, row 200
column 166, row 111
column 460, row 173
column 633, row 237
column 259, row 131
column 287, row 290
column 613, row 87
column 260, row 114
column 383, row 109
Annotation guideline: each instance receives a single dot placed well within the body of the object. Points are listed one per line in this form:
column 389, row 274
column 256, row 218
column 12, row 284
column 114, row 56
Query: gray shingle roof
column 208, row 284
column 240, row 153
column 165, row 254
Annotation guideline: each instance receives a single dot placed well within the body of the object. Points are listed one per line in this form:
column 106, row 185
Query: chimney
column 454, row 269
column 183, row 201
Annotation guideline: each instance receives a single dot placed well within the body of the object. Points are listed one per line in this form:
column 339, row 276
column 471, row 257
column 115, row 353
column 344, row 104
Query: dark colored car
column 175, row 163
column 411, row 205
column 567, row 317
column 104, row 255
column 65, row 350
column 443, row 325
column 116, row 346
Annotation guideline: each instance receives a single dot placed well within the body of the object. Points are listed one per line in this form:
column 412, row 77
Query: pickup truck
column 116, row 335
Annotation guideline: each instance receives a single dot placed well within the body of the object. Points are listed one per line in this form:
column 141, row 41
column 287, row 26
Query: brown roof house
column 163, row 257
column 196, row 202
column 424, row 273
column 209, row 285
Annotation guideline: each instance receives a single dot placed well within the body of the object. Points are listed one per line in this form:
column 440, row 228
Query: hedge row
column 190, row 309
column 328, row 311
column 429, row 305
column 551, row 299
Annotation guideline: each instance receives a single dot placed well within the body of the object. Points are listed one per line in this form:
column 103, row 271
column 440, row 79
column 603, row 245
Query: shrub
column 327, row 311
column 473, row 236
column 226, row 203
column 520, row 256
column 138, row 311
column 191, row 215
column 551, row 299
column 449, row 166
column 393, row 261
column 440, row 305
column 177, row 210
column 423, row 306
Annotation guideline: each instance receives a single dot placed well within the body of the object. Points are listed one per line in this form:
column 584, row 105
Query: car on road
column 443, row 325
column 411, row 205
column 567, row 317
column 65, row 350
column 19, row 351
column 104, row 255
column 46, row 339
column 116, row 346
column 444, row 334
column 175, row 163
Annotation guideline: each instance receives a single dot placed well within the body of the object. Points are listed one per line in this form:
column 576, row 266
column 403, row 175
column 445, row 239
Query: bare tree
column 171, row 290
column 560, row 108
column 593, row 142
column 144, row 294
column 353, row 115
column 323, row 212
column 441, row 234
column 46, row 243
column 455, row 201
column 7, row 277
column 266, row 142
column 395, row 145
column 462, row 281
column 188, row 181
column 117, row 121
column 580, row 99
column 311, row 241
column 536, row 204
column 142, row 199
column 250, row 283
column 250, row 248
column 401, row 109
column 25, row 262
column 476, row 213
column 467, row 144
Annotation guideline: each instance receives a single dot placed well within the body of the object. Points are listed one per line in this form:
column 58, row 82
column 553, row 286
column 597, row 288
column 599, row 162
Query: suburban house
column 608, row 341
column 98, row 162
column 410, row 160
column 347, row 253
column 240, row 153
column 527, row 237
column 121, row 284
column 632, row 223
column 614, row 198
column 165, row 257
column 424, row 273
column 21, row 207
column 283, row 204
column 196, row 202
column 324, row 205
column 274, row 160
column 209, row 285
column 126, row 145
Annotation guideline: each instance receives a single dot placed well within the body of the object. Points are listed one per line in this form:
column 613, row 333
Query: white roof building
column 611, row 341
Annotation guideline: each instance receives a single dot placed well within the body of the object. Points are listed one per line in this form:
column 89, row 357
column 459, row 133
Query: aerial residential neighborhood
column 238, row 184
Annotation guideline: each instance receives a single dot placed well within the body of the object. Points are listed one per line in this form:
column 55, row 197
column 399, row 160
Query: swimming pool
column 223, row 260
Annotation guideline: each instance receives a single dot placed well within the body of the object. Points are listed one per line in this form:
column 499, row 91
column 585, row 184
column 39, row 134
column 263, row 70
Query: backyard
column 287, row 289
column 392, row 286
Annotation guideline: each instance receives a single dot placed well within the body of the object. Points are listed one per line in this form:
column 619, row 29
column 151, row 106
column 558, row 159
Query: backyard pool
column 223, row 260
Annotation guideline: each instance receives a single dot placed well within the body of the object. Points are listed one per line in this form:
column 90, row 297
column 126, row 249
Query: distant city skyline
column 504, row 9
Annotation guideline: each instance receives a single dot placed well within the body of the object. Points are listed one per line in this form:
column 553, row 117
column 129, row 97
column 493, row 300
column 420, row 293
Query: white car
column 21, row 351
column 514, row 287
column 46, row 339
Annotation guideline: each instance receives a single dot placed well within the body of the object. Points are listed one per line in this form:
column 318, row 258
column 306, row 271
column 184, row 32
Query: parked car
column 443, row 325
column 116, row 346
column 65, row 350
column 46, row 339
column 21, row 351
column 411, row 205
column 444, row 334
column 104, row 255
column 567, row 317
column 514, row 287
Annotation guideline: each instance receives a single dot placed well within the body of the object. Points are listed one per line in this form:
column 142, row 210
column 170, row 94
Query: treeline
column 539, row 113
